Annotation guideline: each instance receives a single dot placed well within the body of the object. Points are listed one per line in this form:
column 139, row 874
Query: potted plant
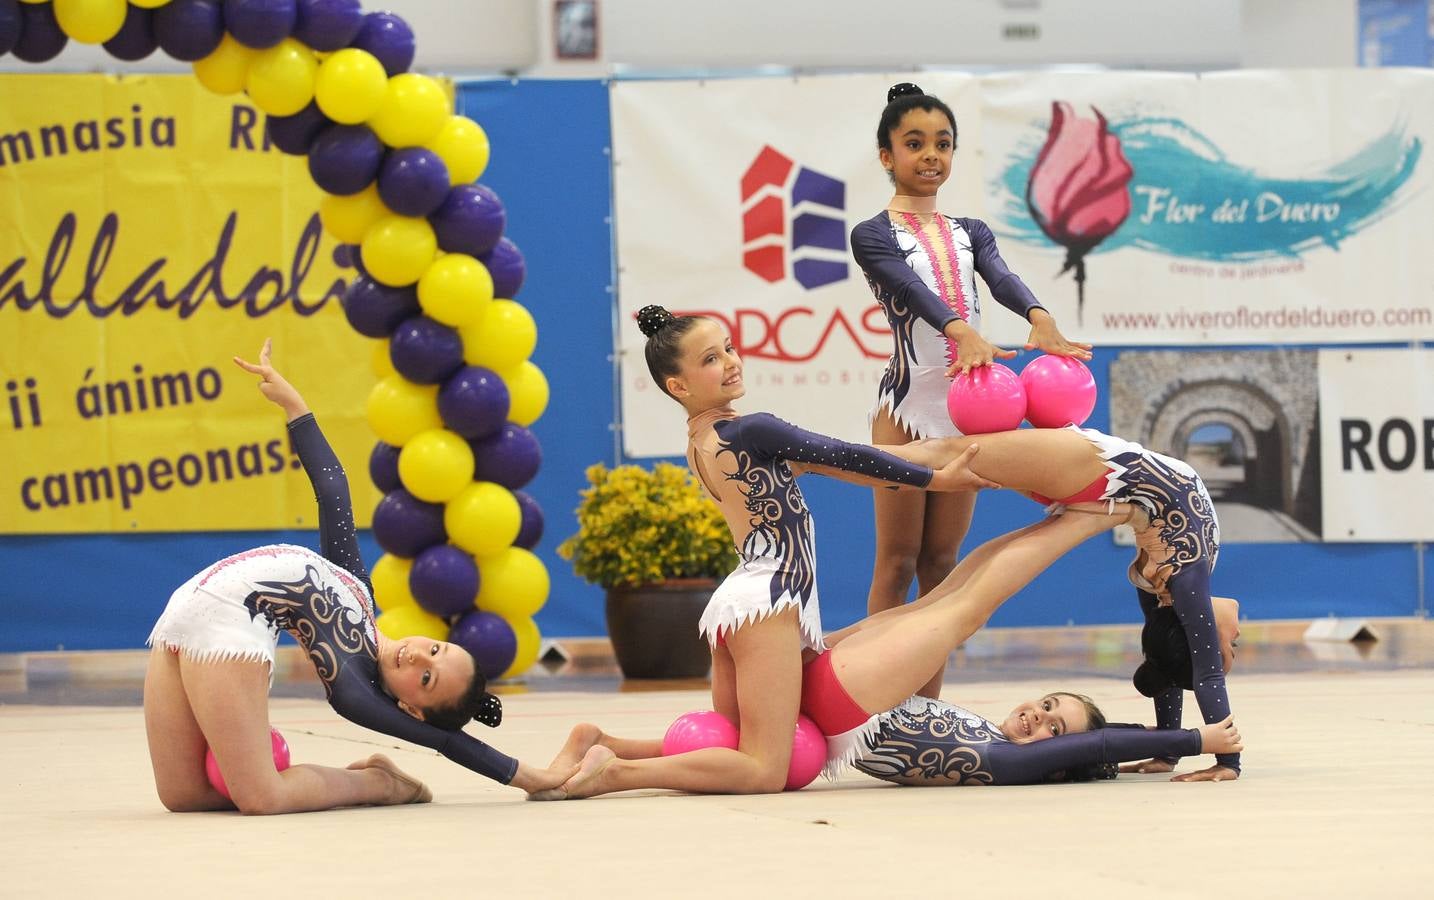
column 657, row 544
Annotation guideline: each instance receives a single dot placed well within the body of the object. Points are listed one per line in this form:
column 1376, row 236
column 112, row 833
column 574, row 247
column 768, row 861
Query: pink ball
column 281, row 762
column 986, row 399
column 809, row 754
column 699, row 731
column 1060, row 391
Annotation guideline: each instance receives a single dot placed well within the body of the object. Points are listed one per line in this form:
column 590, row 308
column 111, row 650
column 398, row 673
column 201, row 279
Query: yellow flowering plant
column 638, row 526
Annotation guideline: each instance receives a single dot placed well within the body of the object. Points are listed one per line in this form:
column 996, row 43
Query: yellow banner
column 147, row 235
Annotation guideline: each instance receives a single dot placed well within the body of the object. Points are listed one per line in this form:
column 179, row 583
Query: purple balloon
column 389, row 39
column 383, row 467
column 295, row 134
column 474, row 402
column 413, row 181
column 531, row 531
column 10, row 25
column 41, row 38
column 135, row 39
column 490, row 640
column 425, row 351
column 510, row 458
column 406, row 526
column 471, row 220
column 344, row 159
column 260, row 23
column 375, row 310
column 328, row 25
column 189, row 29
column 444, row 580
column 505, row 264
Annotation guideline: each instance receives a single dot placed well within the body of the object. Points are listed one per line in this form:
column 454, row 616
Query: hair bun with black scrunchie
column 653, row 318
column 904, row 89
column 490, row 711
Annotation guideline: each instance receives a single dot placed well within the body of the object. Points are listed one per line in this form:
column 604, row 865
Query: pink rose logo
column 1078, row 192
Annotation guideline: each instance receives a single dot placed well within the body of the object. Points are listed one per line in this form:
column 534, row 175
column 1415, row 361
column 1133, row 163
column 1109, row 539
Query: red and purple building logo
column 793, row 222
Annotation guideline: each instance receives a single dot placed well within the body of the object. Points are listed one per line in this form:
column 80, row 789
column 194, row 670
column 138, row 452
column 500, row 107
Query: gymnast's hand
column 972, row 350
column 273, row 385
column 1047, row 338
column 956, row 475
column 1221, row 737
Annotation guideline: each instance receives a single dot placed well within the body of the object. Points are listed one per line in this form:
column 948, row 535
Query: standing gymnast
column 921, row 266
column 858, row 692
column 213, row 658
column 763, row 615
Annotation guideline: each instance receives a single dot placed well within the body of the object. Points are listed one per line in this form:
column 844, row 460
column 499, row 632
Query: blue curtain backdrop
column 551, row 166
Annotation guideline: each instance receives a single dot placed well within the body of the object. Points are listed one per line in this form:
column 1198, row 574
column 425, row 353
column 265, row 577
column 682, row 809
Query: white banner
column 1236, row 208
column 1377, row 444
column 1258, row 207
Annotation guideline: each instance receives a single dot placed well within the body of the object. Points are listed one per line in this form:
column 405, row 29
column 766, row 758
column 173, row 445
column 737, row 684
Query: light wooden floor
column 1335, row 802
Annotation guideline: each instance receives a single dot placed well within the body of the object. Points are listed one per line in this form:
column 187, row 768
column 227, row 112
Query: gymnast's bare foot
column 401, row 787
column 590, row 778
column 580, row 740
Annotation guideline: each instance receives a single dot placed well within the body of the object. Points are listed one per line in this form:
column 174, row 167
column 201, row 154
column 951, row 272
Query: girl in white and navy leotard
column 235, row 609
column 921, row 265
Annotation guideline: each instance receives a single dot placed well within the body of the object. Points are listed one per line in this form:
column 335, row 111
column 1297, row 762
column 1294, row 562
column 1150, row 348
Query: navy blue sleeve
column 769, row 436
column 1008, row 289
column 932, row 749
column 1170, row 703
column 1190, row 591
column 338, row 540
column 1037, row 762
column 881, row 260
column 357, row 698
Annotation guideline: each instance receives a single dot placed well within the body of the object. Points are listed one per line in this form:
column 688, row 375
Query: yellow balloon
column 410, row 621
column 348, row 217
column 397, row 250
column 456, row 290
column 527, row 390
column 281, row 78
column 390, row 582
column 226, row 70
column 529, row 641
column 462, row 144
column 350, row 85
column 483, row 519
column 503, row 338
column 90, row 21
column 148, row 4
column 512, row 584
column 379, row 360
column 435, row 465
column 398, row 409
column 414, row 109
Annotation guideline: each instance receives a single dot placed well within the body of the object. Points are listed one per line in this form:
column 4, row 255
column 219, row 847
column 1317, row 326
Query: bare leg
column 880, row 667
column 586, row 736
column 767, row 657
column 176, row 745
column 899, row 521
column 948, row 517
column 230, row 704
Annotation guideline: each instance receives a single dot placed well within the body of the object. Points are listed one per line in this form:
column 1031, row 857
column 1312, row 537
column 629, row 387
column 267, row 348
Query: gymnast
column 1177, row 538
column 212, row 662
column 765, row 613
column 859, row 692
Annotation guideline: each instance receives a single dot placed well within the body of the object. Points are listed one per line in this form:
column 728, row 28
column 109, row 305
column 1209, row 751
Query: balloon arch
column 456, row 390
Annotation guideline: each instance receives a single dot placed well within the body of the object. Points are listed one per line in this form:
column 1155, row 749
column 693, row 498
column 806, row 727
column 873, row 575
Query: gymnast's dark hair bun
column 1167, row 654
column 490, row 711
column 902, row 90
column 653, row 318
